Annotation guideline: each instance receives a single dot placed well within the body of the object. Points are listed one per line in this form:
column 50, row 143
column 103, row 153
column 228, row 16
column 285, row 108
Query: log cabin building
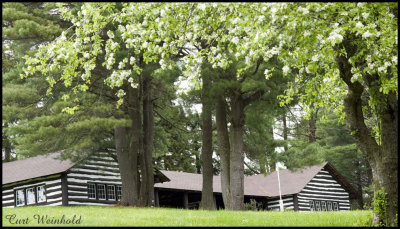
column 47, row 181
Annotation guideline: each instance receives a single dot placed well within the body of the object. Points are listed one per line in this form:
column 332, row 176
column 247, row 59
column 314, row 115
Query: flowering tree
column 346, row 58
column 343, row 54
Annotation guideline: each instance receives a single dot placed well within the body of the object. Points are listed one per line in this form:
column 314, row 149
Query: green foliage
column 252, row 205
column 380, row 205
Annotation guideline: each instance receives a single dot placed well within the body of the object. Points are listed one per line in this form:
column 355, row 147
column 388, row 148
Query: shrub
column 252, row 205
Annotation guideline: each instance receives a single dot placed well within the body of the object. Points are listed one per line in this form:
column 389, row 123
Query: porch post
column 185, row 200
column 156, row 198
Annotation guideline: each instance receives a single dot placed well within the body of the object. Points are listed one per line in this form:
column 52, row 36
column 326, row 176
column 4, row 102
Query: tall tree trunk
column 198, row 163
column 224, row 149
column 383, row 157
column 207, row 197
column 127, row 153
column 272, row 159
column 312, row 127
column 147, row 188
column 237, row 154
column 359, row 184
column 6, row 146
column 285, row 131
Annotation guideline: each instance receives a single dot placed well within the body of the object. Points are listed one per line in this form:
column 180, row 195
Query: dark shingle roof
column 291, row 181
column 34, row 167
column 258, row 185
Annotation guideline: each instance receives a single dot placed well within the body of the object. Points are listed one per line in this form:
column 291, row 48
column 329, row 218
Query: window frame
column 318, row 205
column 44, row 193
column 112, row 192
column 336, row 206
column 312, row 205
column 119, row 192
column 98, row 191
column 31, row 190
column 323, row 205
column 330, row 206
column 94, row 193
column 16, row 197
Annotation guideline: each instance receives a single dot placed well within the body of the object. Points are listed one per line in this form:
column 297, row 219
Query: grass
column 129, row 216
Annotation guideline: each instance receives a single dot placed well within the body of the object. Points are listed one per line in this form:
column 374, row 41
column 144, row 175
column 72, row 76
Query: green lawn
column 127, row 216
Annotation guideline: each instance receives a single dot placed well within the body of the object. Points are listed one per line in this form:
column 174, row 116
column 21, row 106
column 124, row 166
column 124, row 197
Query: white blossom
column 315, row 57
column 235, row 40
column 202, row 6
column 110, row 34
column 381, row 69
column 394, row 59
column 285, row 69
column 366, row 34
column 335, row 37
column 306, row 33
column 365, row 15
column 235, row 21
column 355, row 77
column 359, row 25
column 304, row 10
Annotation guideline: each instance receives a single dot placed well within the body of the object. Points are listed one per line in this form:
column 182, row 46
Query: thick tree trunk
column 207, row 198
column 237, row 154
column 224, row 149
column 127, row 170
column 147, row 188
column 382, row 157
column 127, row 153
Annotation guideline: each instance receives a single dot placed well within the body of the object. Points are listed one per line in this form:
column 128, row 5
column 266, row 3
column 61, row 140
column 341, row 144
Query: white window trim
column 113, row 192
column 44, row 194
column 335, row 206
column 16, row 197
column 324, row 207
column 31, row 189
column 119, row 197
column 312, row 205
column 105, row 191
column 317, row 205
column 329, row 207
column 94, row 188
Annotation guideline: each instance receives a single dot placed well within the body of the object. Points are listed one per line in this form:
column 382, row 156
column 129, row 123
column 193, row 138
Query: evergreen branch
column 174, row 125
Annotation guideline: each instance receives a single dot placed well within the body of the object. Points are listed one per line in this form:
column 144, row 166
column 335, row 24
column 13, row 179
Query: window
column 335, row 206
column 30, row 196
column 20, row 197
column 111, row 192
column 40, row 194
column 312, row 208
column 323, row 203
column 91, row 191
column 101, row 191
column 317, row 206
column 119, row 192
column 329, row 206
column 104, row 191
